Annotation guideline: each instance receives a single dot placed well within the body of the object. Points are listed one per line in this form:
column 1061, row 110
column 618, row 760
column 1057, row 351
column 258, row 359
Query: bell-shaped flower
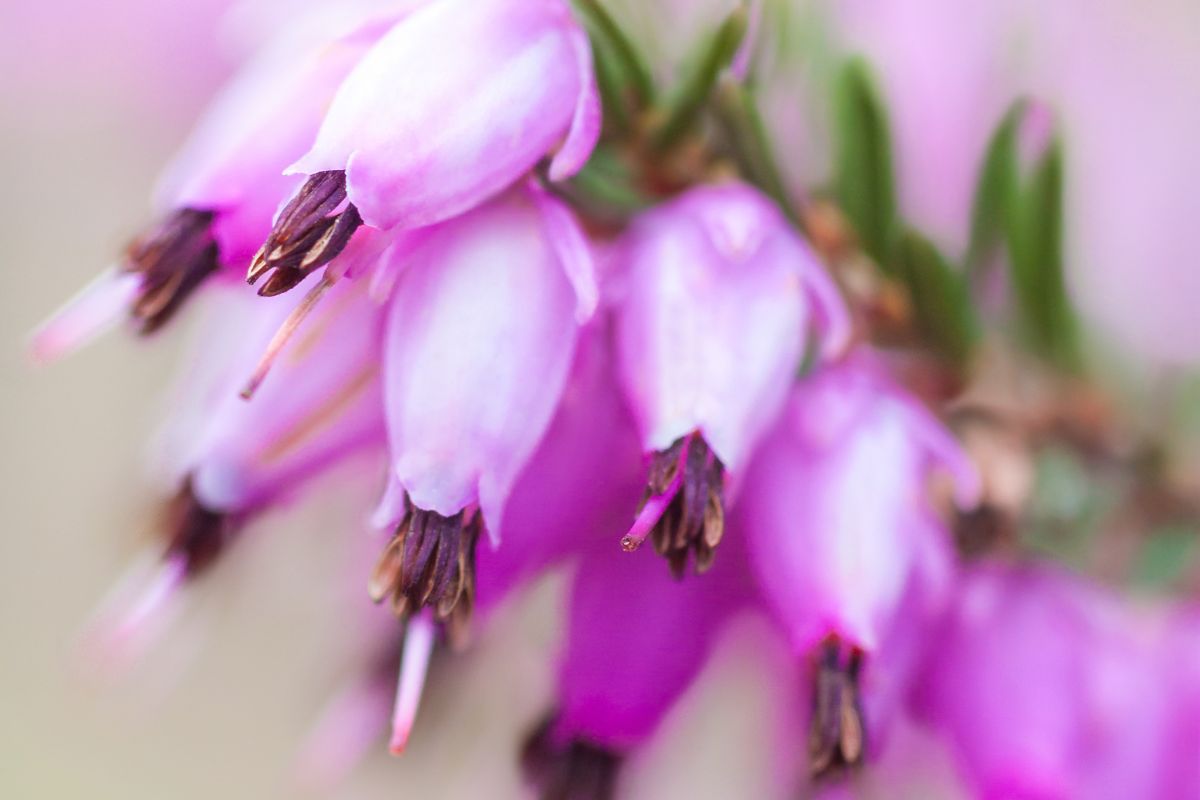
column 1044, row 688
column 637, row 639
column 455, row 104
column 217, row 199
column 719, row 301
column 480, row 337
column 842, row 535
column 233, row 458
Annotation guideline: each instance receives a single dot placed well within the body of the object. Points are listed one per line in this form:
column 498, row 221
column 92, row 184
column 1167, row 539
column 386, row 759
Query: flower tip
column 398, row 742
column 97, row 307
column 630, row 543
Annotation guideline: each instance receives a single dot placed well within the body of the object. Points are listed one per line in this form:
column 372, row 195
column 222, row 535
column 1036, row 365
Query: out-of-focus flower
column 637, row 640
column 234, row 459
column 481, row 332
column 1045, row 688
column 218, row 198
column 397, row 151
column 719, row 300
column 841, row 532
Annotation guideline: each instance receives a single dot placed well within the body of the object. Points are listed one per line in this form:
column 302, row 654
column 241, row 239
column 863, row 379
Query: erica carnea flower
column 637, row 640
column 1044, row 687
column 481, row 332
column 840, row 530
column 423, row 130
column 233, row 459
column 218, row 198
column 719, row 298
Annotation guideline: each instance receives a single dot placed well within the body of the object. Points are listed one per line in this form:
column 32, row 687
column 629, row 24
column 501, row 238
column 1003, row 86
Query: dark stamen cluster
column 578, row 771
column 311, row 230
column 430, row 561
column 695, row 520
column 173, row 258
column 197, row 533
column 837, row 736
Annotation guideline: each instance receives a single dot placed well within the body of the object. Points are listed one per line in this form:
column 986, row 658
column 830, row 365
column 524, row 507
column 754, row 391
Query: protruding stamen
column 652, row 510
column 284, row 335
column 430, row 562
column 418, row 647
column 684, row 507
column 311, row 230
column 575, row 770
column 837, row 737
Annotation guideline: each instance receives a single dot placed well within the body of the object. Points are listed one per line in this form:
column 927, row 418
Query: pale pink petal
column 585, row 122
column 98, row 307
column 571, row 246
column 265, row 119
column 479, row 343
column 713, row 324
column 425, row 130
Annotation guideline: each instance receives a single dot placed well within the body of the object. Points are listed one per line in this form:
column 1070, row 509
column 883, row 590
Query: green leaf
column 864, row 177
column 941, row 298
column 625, row 56
column 1034, row 223
column 605, row 188
column 737, row 110
column 698, row 84
column 993, row 192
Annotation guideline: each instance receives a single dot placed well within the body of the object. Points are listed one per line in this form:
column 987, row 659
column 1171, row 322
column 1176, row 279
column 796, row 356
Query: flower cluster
column 549, row 390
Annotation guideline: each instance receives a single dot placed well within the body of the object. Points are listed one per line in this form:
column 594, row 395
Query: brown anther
column 313, row 228
column 430, row 561
column 173, row 258
column 195, row 532
column 694, row 521
column 837, row 737
column 575, row 771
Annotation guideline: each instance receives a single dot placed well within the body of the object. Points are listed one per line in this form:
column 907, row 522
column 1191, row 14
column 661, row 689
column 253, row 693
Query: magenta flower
column 719, row 300
column 1042, row 686
column 481, row 332
column 637, row 640
column 218, row 198
column 841, row 533
column 396, row 150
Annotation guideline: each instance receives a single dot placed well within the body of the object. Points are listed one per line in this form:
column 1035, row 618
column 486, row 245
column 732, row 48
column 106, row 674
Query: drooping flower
column 842, row 535
column 637, row 639
column 480, row 337
column 1044, row 688
column 573, row 491
column 420, row 132
column 218, row 197
column 719, row 301
column 233, row 459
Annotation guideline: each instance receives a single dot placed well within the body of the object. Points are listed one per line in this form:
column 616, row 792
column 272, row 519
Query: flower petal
column 479, row 343
column 425, row 132
column 585, row 122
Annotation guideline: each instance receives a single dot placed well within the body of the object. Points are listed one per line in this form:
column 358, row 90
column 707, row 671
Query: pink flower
column 421, row 131
column 637, row 640
column 720, row 298
column 234, row 459
column 848, row 550
column 1045, row 688
column 480, row 337
column 218, row 198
